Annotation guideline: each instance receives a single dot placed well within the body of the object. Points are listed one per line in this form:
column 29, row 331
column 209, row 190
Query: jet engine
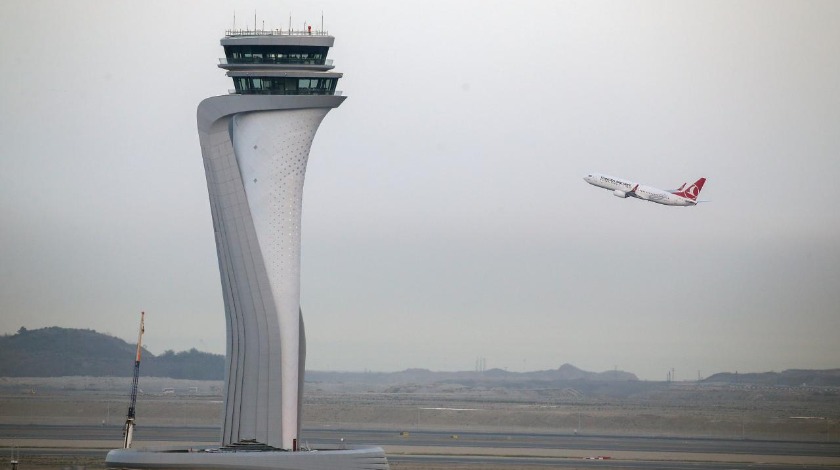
column 619, row 193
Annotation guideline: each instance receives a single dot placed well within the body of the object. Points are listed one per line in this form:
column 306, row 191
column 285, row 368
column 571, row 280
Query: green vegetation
column 790, row 377
column 57, row 352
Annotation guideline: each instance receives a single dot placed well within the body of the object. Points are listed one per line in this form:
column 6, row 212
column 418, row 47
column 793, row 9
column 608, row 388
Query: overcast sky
column 445, row 215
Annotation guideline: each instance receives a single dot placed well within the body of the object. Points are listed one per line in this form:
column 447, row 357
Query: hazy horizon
column 476, row 368
column 445, row 217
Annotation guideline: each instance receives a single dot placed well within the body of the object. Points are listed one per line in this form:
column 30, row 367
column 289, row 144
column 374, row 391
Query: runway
column 515, row 462
column 595, row 442
column 470, row 448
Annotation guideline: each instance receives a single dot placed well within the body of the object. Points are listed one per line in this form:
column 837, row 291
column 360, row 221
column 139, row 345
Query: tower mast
column 128, row 429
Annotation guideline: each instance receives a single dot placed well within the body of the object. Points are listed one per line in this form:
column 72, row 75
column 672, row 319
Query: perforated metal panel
column 256, row 151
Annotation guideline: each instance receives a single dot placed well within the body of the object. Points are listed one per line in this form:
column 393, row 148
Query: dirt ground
column 718, row 413
column 683, row 410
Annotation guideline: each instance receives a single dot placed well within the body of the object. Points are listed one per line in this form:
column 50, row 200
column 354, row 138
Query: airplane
column 681, row 196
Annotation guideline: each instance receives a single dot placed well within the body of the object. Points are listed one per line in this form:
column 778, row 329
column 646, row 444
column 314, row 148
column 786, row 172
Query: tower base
column 219, row 458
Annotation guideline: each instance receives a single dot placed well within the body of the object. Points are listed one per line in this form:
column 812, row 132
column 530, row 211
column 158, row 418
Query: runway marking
column 453, row 409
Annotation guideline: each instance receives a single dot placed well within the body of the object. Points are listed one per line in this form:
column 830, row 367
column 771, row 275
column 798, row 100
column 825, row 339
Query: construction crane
column 15, row 459
column 128, row 429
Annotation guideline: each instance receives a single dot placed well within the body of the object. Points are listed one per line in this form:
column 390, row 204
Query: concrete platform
column 325, row 457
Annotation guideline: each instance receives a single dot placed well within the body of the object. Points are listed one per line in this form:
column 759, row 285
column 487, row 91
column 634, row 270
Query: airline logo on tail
column 682, row 196
column 692, row 191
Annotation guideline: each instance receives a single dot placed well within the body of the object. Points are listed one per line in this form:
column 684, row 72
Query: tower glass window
column 249, row 54
column 285, row 85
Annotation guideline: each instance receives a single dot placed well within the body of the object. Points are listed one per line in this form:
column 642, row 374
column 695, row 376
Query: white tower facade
column 255, row 144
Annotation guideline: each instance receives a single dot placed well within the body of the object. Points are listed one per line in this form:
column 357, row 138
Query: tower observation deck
column 255, row 144
column 277, row 63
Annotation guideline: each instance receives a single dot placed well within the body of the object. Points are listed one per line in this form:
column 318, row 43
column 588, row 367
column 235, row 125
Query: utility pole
column 128, row 429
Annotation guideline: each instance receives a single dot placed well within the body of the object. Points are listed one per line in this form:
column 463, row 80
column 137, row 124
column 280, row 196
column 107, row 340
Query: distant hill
column 490, row 377
column 60, row 352
column 790, row 377
column 57, row 352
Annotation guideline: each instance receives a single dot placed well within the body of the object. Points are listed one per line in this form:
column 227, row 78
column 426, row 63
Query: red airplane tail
column 692, row 191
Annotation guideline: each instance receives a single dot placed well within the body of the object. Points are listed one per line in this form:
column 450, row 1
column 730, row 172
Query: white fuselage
column 623, row 188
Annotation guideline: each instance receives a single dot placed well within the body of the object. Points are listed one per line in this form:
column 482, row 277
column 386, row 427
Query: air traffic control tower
column 255, row 144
